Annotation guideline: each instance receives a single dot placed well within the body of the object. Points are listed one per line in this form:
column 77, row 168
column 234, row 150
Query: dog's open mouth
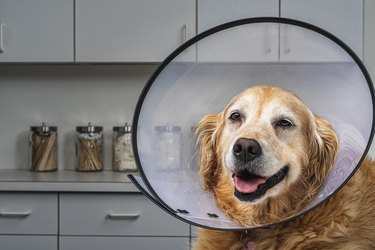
column 250, row 187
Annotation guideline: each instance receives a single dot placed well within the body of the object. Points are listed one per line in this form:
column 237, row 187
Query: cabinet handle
column 185, row 33
column 115, row 216
column 268, row 47
column 15, row 214
column 287, row 40
column 2, row 38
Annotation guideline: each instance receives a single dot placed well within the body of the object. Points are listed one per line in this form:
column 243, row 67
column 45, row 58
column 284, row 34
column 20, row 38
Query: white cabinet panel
column 258, row 43
column 132, row 30
column 342, row 18
column 21, row 242
column 116, row 214
column 121, row 243
column 28, row 213
column 36, row 30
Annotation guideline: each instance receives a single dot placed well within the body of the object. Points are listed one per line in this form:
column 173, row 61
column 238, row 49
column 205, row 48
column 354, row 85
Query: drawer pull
column 2, row 38
column 185, row 33
column 288, row 47
column 15, row 214
column 114, row 216
column 268, row 36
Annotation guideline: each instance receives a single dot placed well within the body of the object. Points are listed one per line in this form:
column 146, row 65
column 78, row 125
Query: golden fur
column 308, row 148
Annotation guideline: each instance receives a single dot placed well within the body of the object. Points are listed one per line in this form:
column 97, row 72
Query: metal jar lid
column 127, row 128
column 89, row 129
column 43, row 129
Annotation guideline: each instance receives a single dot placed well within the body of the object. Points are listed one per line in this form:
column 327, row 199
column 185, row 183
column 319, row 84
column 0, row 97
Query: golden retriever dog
column 264, row 158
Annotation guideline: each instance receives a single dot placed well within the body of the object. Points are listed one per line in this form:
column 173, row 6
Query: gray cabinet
column 240, row 43
column 343, row 18
column 124, row 243
column 132, row 30
column 31, row 242
column 36, row 31
column 28, row 213
column 87, row 221
column 28, row 221
column 214, row 12
column 118, row 221
column 148, row 31
column 116, row 215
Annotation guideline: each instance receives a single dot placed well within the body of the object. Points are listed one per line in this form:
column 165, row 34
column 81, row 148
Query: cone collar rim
column 278, row 20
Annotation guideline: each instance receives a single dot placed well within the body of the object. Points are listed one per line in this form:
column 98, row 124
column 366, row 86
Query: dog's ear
column 323, row 151
column 208, row 132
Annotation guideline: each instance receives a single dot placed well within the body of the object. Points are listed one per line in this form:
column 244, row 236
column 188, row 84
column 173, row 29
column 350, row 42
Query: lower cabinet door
column 124, row 243
column 20, row 242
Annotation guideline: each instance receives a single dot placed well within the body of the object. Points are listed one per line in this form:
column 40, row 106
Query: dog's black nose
column 246, row 150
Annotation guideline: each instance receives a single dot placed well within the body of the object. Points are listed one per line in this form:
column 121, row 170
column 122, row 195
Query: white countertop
column 65, row 181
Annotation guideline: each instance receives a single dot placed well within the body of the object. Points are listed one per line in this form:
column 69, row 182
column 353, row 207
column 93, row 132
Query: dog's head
column 265, row 153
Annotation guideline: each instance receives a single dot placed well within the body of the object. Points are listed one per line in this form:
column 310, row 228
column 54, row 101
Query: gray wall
column 65, row 96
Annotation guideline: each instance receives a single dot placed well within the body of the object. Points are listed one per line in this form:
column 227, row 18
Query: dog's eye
column 235, row 116
column 284, row 123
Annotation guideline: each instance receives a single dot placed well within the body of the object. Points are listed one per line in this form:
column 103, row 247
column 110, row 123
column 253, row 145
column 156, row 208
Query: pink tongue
column 247, row 186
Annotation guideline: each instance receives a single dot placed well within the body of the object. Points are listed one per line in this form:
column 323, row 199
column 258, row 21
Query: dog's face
column 265, row 144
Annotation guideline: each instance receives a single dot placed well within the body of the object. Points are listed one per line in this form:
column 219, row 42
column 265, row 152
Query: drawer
column 116, row 214
column 14, row 242
column 121, row 243
column 26, row 213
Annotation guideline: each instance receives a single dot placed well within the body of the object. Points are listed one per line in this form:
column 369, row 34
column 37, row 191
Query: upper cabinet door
column 214, row 12
column 36, row 31
column 259, row 43
column 342, row 18
column 132, row 30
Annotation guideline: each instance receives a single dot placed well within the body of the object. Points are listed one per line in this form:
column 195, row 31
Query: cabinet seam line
column 58, row 221
column 74, row 31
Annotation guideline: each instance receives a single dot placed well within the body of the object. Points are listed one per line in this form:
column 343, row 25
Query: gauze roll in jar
column 122, row 149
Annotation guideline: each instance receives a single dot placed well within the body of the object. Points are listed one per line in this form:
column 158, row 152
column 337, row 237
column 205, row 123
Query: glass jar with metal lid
column 43, row 148
column 89, row 148
column 168, row 147
column 122, row 151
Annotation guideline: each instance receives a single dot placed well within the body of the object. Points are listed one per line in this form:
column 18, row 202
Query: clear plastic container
column 168, row 143
column 89, row 148
column 193, row 162
column 122, row 150
column 43, row 148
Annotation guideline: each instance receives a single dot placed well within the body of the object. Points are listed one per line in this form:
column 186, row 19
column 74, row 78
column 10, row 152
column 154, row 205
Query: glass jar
column 43, row 148
column 122, row 151
column 194, row 150
column 168, row 147
column 89, row 148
